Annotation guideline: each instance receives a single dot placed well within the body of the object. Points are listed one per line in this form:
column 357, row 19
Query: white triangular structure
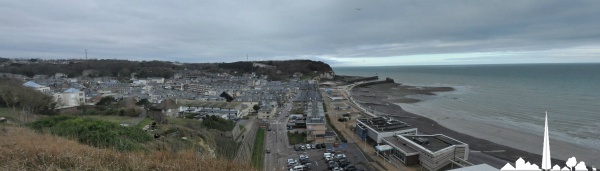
column 507, row 167
column 546, row 164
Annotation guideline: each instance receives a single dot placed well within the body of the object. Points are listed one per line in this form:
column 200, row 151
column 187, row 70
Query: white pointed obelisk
column 546, row 165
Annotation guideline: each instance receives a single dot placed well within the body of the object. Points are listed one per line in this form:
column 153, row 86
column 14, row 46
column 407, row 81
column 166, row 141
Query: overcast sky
column 341, row 33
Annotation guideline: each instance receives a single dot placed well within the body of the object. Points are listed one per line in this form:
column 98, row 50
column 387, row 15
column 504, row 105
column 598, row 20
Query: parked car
column 297, row 148
column 313, row 146
column 268, row 151
column 302, row 147
column 349, row 168
column 297, row 168
column 337, row 169
column 307, row 146
column 329, row 150
column 332, row 164
column 340, row 156
column 325, row 155
column 307, row 165
column 344, row 163
column 303, row 156
column 292, row 162
column 305, row 161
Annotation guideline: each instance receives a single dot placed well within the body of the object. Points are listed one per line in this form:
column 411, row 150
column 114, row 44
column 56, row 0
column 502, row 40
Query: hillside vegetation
column 96, row 68
column 94, row 132
column 24, row 149
column 123, row 69
column 17, row 97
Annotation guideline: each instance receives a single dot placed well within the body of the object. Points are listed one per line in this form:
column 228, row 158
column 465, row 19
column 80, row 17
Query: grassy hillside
column 24, row 149
column 259, row 151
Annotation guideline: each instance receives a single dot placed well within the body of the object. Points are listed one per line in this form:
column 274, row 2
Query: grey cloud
column 200, row 31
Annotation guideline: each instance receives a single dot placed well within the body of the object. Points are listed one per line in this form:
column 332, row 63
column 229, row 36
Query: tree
column 81, row 106
column 143, row 102
column 8, row 95
column 13, row 94
column 106, row 101
column 256, row 107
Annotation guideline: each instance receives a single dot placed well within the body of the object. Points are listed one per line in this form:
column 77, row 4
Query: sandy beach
column 479, row 135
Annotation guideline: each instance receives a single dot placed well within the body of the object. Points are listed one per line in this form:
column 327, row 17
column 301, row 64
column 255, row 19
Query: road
column 276, row 140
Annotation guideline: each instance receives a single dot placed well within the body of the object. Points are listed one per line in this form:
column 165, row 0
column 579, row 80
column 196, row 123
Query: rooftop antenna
column 86, row 54
column 247, row 58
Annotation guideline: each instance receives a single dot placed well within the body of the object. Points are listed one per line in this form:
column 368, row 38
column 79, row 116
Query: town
column 300, row 123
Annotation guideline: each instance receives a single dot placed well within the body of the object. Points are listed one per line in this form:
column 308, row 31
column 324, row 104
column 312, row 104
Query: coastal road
column 277, row 141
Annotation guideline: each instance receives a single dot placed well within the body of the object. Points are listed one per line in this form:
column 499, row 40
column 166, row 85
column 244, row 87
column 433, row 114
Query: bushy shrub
column 94, row 132
column 39, row 125
column 215, row 122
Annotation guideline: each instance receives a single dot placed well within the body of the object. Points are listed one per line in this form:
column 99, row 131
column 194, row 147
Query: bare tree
column 8, row 95
column 9, row 90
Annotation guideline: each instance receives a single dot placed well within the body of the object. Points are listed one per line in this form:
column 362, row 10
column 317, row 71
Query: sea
column 508, row 95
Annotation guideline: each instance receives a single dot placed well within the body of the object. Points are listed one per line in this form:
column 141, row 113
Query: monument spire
column 546, row 164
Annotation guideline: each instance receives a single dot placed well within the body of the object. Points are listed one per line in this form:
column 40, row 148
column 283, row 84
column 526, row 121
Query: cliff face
column 281, row 70
column 290, row 69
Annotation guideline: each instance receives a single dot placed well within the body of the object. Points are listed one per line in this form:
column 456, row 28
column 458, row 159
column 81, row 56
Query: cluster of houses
column 187, row 92
column 310, row 115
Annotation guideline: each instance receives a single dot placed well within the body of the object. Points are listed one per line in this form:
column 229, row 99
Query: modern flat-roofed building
column 397, row 151
column 375, row 129
column 434, row 152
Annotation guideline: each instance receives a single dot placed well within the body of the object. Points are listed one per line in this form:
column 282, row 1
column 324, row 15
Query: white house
column 36, row 86
column 266, row 112
column 69, row 98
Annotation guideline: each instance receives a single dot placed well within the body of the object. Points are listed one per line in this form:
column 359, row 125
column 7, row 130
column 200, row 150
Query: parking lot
column 317, row 160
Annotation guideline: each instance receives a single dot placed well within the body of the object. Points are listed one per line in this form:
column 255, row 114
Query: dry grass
column 23, row 149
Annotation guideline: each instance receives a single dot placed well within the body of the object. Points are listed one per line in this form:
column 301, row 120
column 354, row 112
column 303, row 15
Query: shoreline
column 377, row 97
